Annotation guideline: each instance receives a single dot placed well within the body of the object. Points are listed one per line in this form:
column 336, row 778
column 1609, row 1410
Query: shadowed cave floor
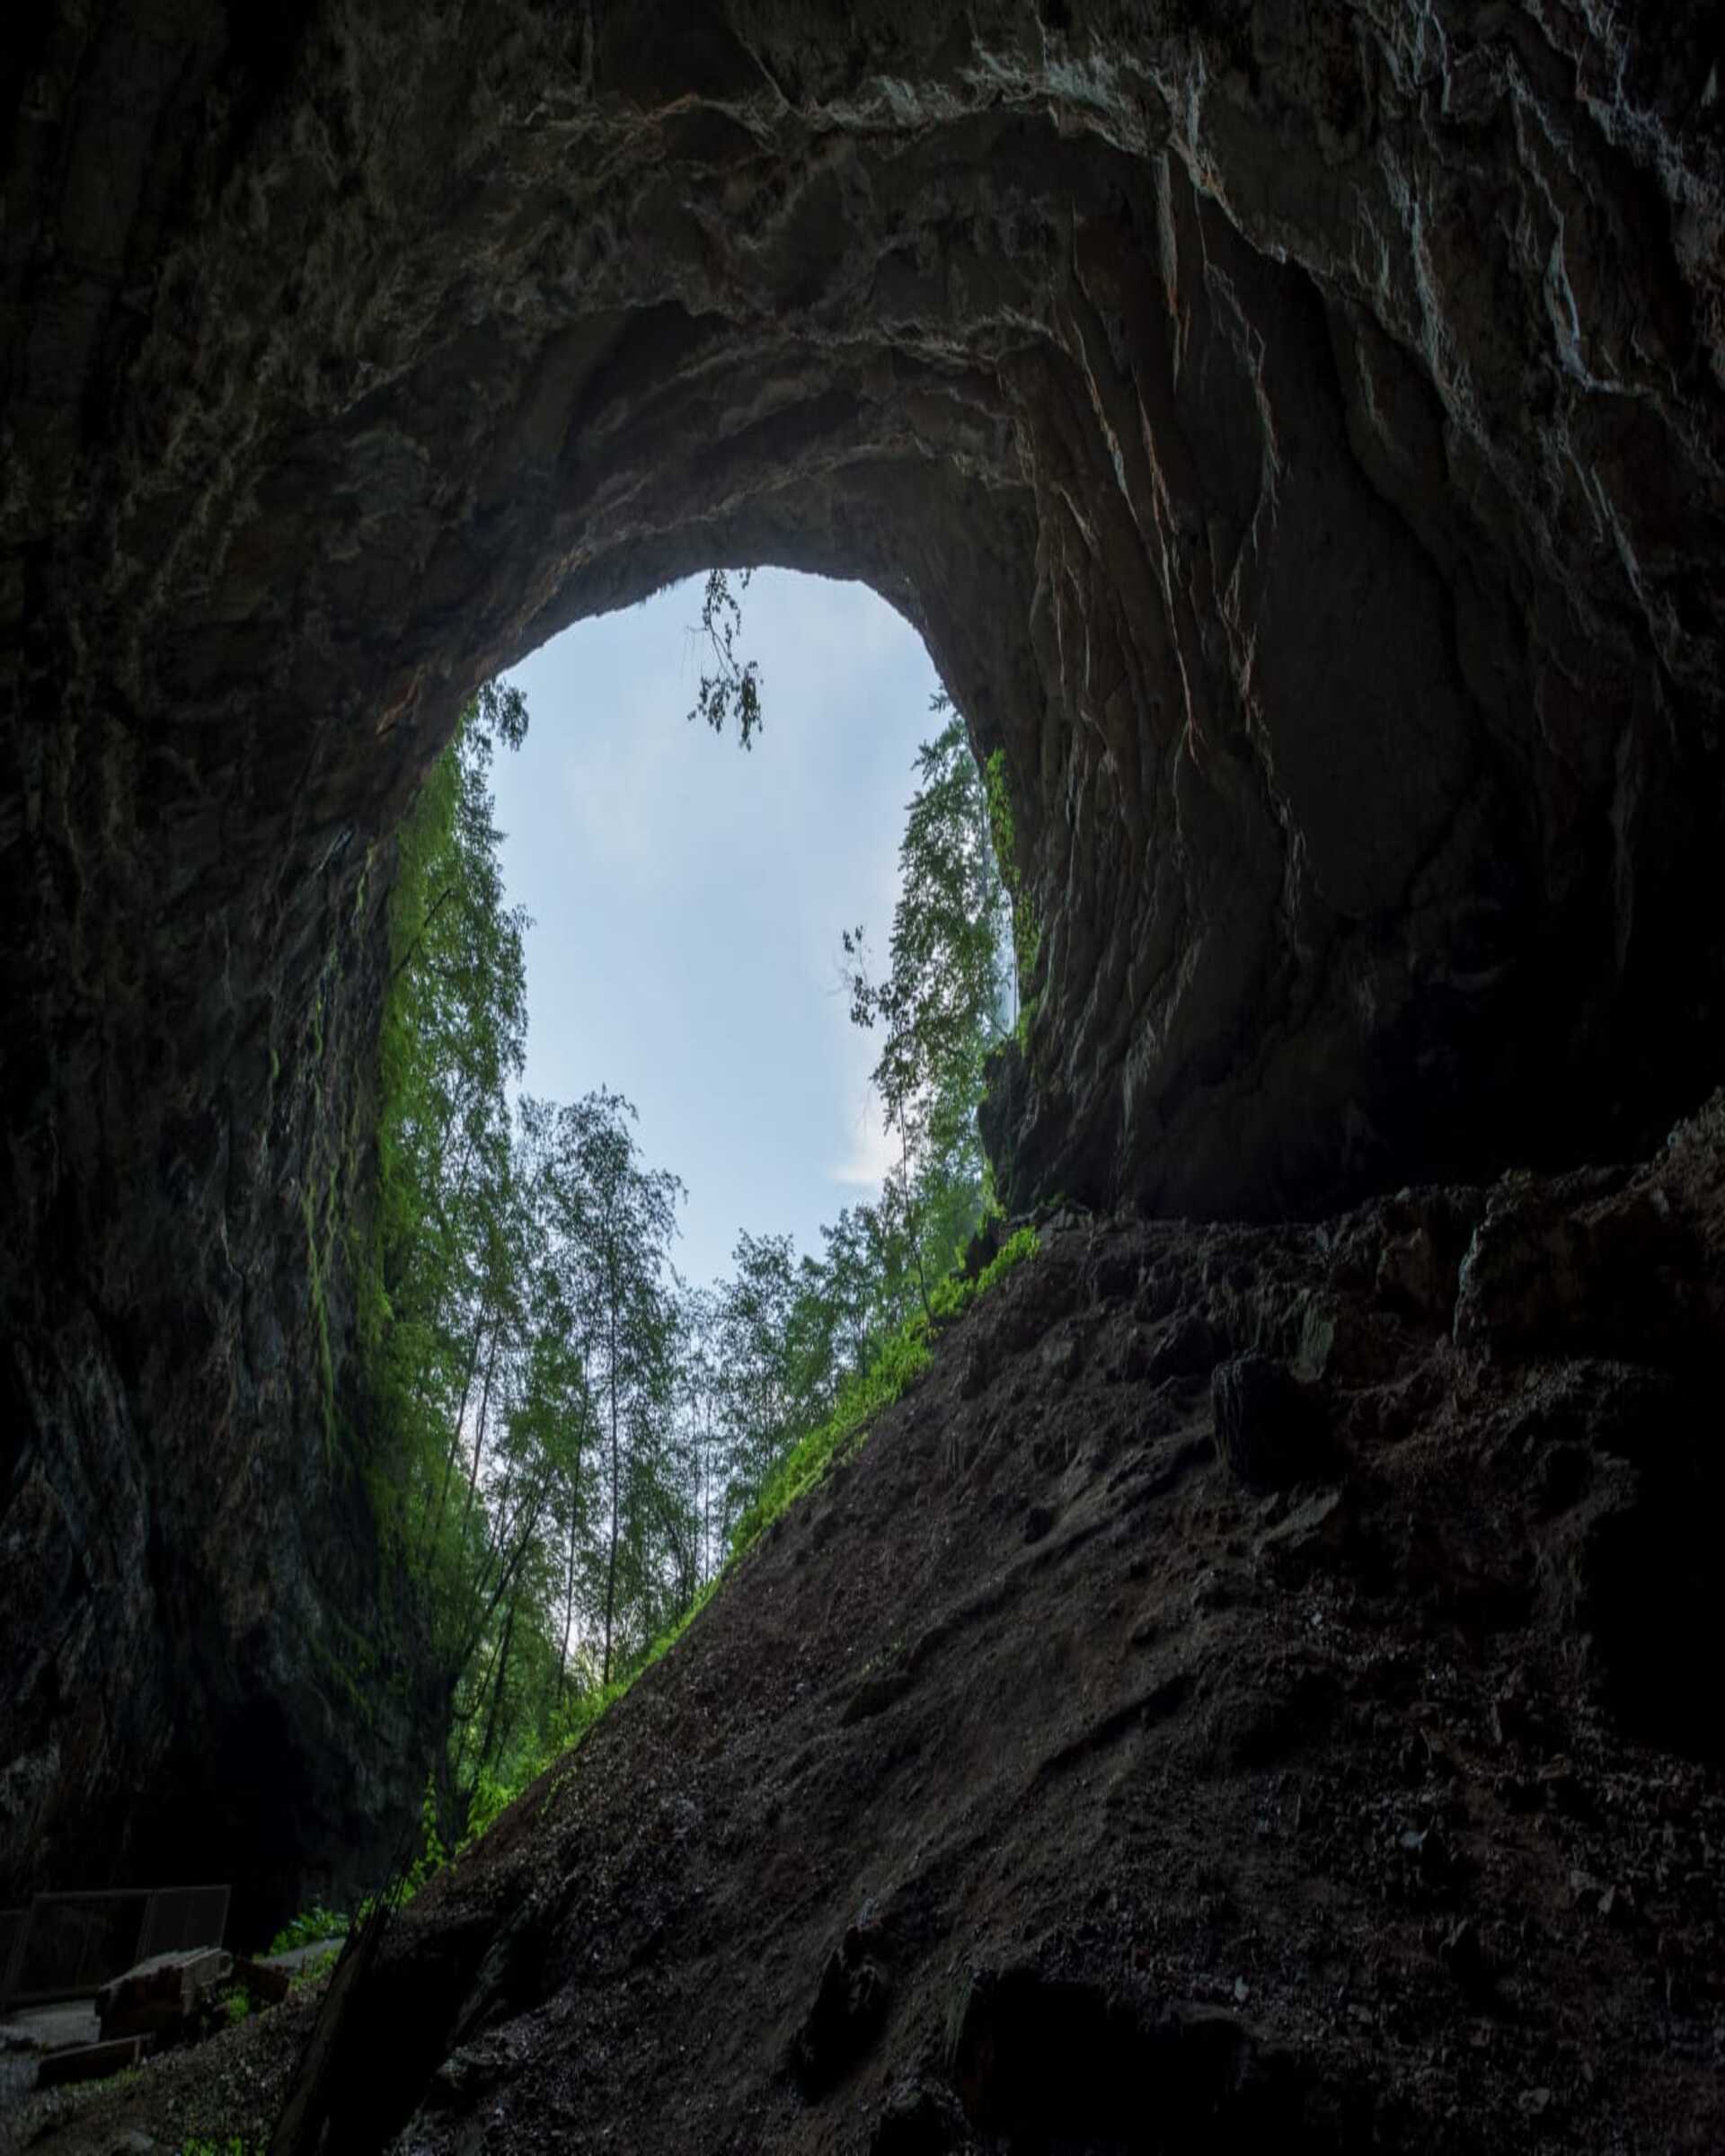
column 1044, row 1784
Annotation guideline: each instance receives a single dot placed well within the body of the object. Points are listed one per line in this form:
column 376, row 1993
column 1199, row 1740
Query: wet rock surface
column 1296, row 432
column 1329, row 1816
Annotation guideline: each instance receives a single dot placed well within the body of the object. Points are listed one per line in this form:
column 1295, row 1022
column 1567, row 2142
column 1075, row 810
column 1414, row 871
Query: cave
column 1295, row 434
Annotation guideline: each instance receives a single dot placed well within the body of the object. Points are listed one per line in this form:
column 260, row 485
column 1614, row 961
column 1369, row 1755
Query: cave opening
column 678, row 1160
column 1307, row 481
column 687, row 903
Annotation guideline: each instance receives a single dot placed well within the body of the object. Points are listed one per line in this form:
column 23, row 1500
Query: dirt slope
column 1046, row 1782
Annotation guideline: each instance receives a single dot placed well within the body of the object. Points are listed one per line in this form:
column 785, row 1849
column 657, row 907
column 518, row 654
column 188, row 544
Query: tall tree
column 942, row 1003
column 701, row 1408
column 453, row 1038
column 616, row 1219
column 576, row 1433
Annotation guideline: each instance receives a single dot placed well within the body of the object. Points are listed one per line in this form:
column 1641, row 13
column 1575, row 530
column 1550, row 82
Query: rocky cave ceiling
column 1295, row 430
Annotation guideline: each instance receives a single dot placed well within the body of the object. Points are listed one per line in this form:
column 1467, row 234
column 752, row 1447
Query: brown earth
column 1044, row 1782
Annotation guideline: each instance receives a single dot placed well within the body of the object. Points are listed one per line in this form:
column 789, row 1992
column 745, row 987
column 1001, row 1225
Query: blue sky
column 688, row 900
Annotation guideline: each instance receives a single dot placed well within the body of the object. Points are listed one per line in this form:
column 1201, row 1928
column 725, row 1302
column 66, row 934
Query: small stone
column 1535, row 2102
column 1310, row 1534
column 1062, row 1356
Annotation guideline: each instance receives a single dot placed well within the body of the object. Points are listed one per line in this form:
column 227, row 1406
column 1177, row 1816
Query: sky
column 688, row 898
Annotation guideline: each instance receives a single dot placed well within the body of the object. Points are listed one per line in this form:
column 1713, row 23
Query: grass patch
column 902, row 1360
column 307, row 1928
column 315, row 1971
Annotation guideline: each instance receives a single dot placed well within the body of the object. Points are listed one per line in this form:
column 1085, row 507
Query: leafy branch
column 733, row 688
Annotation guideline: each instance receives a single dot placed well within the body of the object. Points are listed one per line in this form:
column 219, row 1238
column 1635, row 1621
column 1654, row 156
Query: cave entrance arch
column 1297, row 443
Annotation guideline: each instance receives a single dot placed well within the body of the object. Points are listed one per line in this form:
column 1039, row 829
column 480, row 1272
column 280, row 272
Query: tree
column 701, row 1410
column 943, row 1004
column 615, row 1219
column 446, row 1251
column 574, row 1433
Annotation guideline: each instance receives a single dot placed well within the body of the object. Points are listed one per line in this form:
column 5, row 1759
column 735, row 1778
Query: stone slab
column 161, row 1993
column 265, row 1981
column 41, row 2028
column 89, row 2062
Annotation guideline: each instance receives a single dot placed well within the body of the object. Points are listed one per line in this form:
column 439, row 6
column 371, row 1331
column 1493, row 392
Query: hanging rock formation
column 1296, row 432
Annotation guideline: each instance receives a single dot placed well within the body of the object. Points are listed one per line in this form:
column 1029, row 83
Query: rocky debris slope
column 1257, row 1691
column 1296, row 432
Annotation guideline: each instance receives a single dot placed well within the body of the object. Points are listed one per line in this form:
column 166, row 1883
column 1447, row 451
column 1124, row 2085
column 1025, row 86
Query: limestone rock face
column 1296, row 432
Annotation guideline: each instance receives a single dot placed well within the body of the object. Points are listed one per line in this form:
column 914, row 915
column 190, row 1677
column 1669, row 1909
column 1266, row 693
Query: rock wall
column 1296, row 432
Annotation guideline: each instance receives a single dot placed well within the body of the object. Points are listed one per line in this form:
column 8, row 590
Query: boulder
column 163, row 1994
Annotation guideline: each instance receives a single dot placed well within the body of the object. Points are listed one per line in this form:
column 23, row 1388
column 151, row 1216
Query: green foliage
column 614, row 1219
column 941, row 1007
column 518, row 1323
column 732, row 689
column 308, row 1928
column 491, row 1797
column 1020, row 1244
column 566, row 1447
column 900, row 1361
column 432, row 1856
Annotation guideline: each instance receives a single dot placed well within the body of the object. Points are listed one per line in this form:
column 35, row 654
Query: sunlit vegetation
column 570, row 1443
column 309, row 1929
